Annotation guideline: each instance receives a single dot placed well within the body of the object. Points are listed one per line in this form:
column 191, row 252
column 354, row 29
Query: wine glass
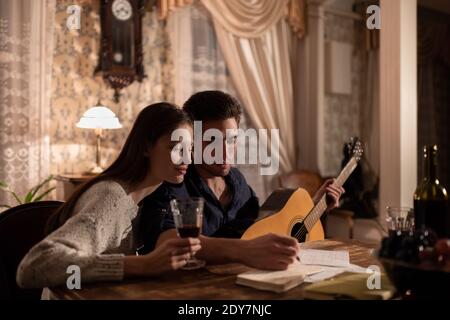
column 400, row 219
column 188, row 217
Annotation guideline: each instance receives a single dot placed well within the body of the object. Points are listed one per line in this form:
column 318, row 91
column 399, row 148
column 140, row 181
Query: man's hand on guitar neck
column 333, row 192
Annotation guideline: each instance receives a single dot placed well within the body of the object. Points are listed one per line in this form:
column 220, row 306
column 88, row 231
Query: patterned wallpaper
column 75, row 89
column 342, row 112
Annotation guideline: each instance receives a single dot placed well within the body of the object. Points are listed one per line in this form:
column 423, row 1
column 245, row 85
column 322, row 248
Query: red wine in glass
column 188, row 217
column 189, row 231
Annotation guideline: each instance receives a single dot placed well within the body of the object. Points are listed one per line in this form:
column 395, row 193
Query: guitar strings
column 301, row 232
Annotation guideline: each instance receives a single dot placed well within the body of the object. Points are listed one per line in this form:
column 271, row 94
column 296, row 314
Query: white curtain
column 259, row 56
column 199, row 65
column 26, row 45
column 198, row 61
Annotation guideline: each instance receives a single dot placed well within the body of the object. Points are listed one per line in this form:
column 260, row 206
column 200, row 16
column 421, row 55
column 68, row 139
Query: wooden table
column 68, row 182
column 214, row 282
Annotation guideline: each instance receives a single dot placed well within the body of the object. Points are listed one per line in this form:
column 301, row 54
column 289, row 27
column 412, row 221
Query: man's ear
column 147, row 151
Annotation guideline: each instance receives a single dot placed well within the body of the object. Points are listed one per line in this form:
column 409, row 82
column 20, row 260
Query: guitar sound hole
column 299, row 232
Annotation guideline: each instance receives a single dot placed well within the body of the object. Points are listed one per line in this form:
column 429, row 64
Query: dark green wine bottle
column 431, row 198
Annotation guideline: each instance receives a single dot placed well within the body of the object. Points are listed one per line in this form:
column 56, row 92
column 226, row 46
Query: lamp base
column 96, row 170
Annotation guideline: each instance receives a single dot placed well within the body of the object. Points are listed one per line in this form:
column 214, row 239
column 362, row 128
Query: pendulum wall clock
column 121, row 56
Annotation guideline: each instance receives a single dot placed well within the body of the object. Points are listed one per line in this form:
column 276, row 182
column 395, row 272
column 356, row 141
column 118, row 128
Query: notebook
column 350, row 286
column 277, row 281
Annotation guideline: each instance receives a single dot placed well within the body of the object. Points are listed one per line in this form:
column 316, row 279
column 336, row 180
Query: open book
column 277, row 281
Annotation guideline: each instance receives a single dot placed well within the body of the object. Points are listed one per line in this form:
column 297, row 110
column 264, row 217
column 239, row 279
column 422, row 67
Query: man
column 231, row 206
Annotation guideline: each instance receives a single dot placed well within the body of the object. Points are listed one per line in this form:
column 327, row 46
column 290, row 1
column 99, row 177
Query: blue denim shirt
column 156, row 217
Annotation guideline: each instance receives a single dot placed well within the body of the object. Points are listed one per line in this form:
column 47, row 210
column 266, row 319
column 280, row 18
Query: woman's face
column 165, row 156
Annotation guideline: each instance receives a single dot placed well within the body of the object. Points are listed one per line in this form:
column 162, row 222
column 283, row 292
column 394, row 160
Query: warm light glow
column 99, row 118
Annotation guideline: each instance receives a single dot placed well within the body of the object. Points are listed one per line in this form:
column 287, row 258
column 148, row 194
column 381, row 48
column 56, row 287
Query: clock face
column 122, row 9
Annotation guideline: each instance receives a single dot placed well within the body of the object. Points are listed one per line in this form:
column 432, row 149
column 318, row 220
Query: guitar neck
column 318, row 210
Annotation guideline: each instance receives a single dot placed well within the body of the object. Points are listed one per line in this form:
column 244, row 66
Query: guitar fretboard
column 316, row 212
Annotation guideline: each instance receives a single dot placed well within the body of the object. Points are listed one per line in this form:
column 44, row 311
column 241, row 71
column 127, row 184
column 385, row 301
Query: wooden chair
column 311, row 182
column 21, row 228
column 308, row 180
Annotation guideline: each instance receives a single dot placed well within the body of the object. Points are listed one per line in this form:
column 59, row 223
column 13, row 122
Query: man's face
column 228, row 145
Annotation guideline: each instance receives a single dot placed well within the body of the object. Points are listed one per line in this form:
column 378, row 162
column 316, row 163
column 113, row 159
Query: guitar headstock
column 355, row 148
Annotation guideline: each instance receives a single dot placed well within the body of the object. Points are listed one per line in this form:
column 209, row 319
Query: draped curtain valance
column 247, row 18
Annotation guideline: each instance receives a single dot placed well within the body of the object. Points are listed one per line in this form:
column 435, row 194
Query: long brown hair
column 132, row 164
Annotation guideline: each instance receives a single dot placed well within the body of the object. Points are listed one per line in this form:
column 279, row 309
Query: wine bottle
column 431, row 198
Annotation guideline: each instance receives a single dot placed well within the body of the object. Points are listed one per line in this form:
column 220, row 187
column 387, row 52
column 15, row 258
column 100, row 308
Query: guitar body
column 289, row 220
column 296, row 214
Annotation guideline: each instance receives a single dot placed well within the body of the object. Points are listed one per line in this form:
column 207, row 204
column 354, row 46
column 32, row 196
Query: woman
column 94, row 228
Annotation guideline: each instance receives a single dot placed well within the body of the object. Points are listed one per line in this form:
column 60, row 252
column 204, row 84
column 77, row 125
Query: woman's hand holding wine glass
column 171, row 255
column 188, row 217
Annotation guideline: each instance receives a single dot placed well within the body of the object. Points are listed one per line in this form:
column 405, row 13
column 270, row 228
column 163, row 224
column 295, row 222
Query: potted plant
column 33, row 195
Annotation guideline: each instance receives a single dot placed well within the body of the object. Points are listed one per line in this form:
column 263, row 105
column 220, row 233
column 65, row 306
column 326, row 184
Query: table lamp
column 98, row 118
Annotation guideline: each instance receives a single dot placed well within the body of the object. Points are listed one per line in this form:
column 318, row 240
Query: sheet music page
column 340, row 258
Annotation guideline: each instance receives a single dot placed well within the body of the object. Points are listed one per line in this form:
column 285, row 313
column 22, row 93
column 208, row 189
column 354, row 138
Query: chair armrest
column 342, row 213
column 346, row 215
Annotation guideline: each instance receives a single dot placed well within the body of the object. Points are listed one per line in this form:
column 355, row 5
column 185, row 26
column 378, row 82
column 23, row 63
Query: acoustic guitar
column 299, row 217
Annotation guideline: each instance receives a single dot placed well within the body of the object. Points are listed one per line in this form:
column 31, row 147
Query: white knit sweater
column 96, row 238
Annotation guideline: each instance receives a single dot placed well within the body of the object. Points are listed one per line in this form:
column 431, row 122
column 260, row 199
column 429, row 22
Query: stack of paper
column 314, row 266
column 325, row 257
column 330, row 272
column 277, row 281
column 331, row 262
